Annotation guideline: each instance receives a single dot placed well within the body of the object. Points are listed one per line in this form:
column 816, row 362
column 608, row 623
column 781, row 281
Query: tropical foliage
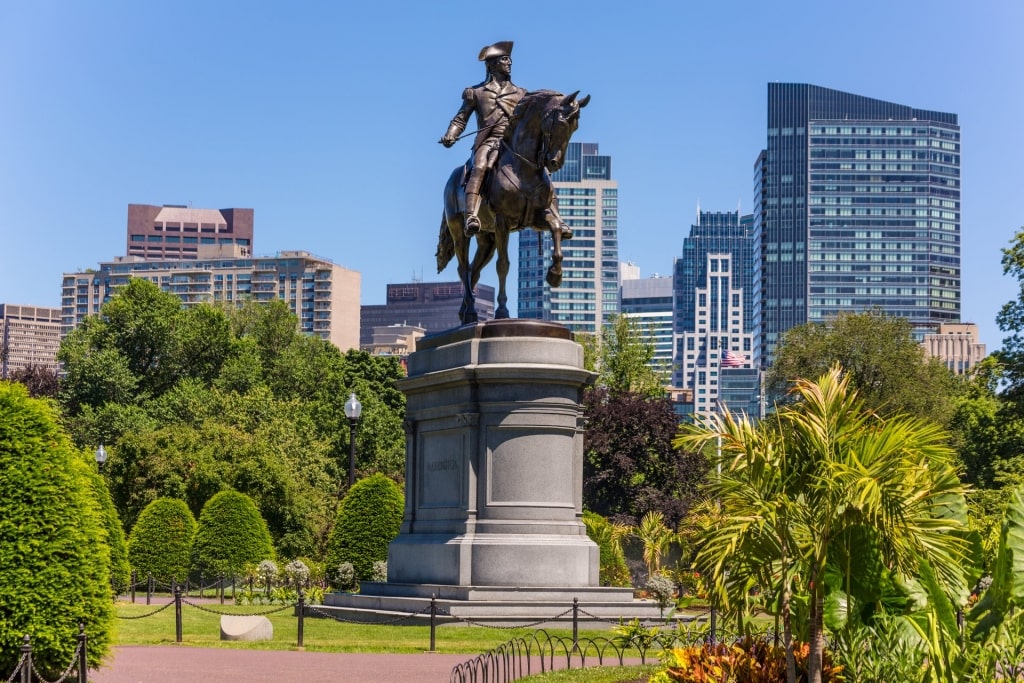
column 824, row 503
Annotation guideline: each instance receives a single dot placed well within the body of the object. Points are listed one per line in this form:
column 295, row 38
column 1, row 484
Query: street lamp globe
column 101, row 457
column 353, row 408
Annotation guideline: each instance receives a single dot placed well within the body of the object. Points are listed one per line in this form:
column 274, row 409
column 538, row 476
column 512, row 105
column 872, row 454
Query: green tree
column 1011, row 320
column 120, row 569
column 232, row 537
column 822, row 471
column 161, row 540
column 369, row 516
column 54, row 559
column 878, row 354
column 623, row 359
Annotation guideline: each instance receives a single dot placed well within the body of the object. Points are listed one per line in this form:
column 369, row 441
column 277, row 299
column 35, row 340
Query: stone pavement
column 177, row 664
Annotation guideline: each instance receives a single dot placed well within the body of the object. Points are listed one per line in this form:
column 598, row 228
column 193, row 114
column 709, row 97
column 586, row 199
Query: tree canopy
column 878, row 353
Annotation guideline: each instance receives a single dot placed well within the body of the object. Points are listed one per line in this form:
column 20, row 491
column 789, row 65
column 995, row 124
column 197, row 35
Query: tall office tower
column 648, row 303
column 718, row 344
column 434, row 306
column 859, row 208
column 323, row 295
column 175, row 231
column 29, row 335
column 588, row 201
column 719, row 232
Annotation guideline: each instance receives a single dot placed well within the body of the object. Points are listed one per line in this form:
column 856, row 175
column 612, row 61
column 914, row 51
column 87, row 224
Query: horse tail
column 445, row 246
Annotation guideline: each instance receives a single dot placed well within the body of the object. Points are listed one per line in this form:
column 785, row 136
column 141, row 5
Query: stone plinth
column 248, row 628
column 494, row 461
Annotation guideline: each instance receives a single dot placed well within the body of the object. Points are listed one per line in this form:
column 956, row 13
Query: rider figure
column 493, row 101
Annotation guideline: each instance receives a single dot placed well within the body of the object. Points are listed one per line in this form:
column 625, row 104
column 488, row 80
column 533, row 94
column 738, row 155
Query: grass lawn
column 201, row 628
column 601, row 674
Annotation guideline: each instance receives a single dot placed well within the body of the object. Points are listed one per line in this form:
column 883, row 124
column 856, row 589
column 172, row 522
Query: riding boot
column 472, row 207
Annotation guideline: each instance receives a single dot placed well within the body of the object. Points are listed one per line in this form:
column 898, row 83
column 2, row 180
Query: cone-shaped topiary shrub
column 54, row 561
column 232, row 536
column 161, row 541
column 368, row 518
column 120, row 571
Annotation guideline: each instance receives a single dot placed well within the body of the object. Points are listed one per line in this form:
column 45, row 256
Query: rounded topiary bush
column 232, row 537
column 368, row 518
column 613, row 571
column 161, row 541
column 54, row 560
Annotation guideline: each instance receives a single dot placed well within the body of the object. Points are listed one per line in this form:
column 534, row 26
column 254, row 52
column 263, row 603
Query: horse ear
column 584, row 102
column 567, row 100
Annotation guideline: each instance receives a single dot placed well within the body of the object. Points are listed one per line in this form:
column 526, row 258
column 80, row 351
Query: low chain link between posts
column 503, row 628
column 67, row 672
column 148, row 614
column 391, row 622
column 239, row 614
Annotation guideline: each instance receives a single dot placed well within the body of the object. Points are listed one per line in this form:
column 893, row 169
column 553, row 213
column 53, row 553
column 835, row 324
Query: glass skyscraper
column 588, row 203
column 858, row 206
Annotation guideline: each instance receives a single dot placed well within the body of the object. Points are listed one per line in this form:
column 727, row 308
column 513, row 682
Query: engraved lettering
column 447, row 465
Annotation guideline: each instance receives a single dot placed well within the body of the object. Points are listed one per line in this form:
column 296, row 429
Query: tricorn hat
column 499, row 49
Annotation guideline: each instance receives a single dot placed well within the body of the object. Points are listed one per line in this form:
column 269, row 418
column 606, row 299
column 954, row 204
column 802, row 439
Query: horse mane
column 533, row 100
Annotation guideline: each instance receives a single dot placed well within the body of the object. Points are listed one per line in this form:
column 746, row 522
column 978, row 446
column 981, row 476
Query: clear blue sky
column 324, row 117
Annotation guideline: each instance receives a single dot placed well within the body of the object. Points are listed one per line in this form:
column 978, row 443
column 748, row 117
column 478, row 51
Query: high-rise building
column 956, row 345
column 433, row 306
column 859, row 208
column 175, row 231
column 588, row 201
column 718, row 343
column 324, row 295
column 715, row 232
column 648, row 303
column 29, row 336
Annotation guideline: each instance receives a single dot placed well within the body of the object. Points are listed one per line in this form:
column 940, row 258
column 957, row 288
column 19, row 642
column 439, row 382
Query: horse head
column 561, row 119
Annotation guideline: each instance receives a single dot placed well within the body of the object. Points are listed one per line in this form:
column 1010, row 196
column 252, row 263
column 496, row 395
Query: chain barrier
column 67, row 672
column 405, row 617
column 239, row 614
column 148, row 614
column 532, row 624
column 17, row 670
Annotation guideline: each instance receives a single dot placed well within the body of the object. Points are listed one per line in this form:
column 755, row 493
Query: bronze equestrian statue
column 506, row 185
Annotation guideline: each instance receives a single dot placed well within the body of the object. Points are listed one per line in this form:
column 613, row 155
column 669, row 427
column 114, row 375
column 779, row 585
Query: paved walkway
column 175, row 664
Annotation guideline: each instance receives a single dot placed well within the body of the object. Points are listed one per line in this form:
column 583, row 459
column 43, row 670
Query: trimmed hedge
column 614, row 571
column 160, row 543
column 368, row 518
column 232, row 537
column 54, row 561
column 120, row 570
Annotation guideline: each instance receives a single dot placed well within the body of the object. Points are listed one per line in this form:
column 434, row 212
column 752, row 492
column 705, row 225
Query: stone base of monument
column 494, row 473
column 536, row 607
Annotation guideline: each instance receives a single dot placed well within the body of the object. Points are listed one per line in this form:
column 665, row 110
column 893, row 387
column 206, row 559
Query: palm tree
column 656, row 539
column 824, row 466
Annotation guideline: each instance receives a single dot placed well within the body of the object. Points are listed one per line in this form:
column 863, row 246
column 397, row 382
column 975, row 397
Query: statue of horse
column 518, row 194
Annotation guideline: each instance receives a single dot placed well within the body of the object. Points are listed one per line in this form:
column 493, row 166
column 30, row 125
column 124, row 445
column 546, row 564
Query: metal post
column 352, row 451
column 575, row 622
column 302, row 614
column 135, row 578
column 83, row 660
column 26, row 660
column 433, row 622
column 202, row 580
column 220, row 583
column 149, row 588
column 177, row 613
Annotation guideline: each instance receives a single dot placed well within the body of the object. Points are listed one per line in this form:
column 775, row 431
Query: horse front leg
column 467, row 312
column 501, row 234
column 554, row 276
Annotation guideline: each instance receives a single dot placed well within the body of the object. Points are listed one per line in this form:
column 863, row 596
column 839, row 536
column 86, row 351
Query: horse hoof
column 501, row 314
column 554, row 279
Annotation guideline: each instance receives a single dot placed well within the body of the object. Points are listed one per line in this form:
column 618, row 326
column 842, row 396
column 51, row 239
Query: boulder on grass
column 246, row 628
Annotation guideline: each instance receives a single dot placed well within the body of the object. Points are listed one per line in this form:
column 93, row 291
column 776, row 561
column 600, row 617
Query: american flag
column 732, row 360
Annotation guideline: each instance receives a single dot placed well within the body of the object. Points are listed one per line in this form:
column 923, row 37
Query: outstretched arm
column 458, row 123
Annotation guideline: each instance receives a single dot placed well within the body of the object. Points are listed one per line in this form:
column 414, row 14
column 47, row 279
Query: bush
column 345, row 577
column 120, row 569
column 54, row 561
column 161, row 540
column 614, row 571
column 232, row 536
column 368, row 518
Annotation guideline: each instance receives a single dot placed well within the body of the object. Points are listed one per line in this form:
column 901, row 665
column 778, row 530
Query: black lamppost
column 101, row 457
column 353, row 409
